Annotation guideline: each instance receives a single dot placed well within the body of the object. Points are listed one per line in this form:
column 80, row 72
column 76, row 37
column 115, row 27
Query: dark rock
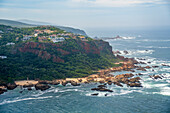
column 29, row 88
column 11, row 86
column 2, row 90
column 73, row 83
column 109, row 82
column 95, row 94
column 102, row 89
column 105, row 94
column 42, row 87
column 20, row 91
column 118, row 84
column 135, row 85
column 125, row 52
column 140, row 74
column 64, row 83
column 42, row 82
column 30, row 85
column 155, row 66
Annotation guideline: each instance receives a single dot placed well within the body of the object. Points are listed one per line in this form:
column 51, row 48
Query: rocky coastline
column 103, row 77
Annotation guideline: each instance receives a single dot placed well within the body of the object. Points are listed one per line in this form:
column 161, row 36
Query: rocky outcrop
column 42, row 87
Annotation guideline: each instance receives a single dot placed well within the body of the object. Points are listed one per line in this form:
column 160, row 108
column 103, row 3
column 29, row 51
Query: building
column 82, row 37
column 58, row 39
column 43, row 38
column 10, row 43
column 53, row 36
column 3, row 57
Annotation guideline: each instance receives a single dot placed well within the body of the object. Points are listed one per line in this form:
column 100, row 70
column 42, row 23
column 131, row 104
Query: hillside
column 39, row 57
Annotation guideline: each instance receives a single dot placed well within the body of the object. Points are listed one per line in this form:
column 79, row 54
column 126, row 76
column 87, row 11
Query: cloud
column 117, row 3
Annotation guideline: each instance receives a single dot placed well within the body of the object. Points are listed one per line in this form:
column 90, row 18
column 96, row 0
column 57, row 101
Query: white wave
column 137, row 52
column 147, row 40
column 68, row 90
column 128, row 38
column 164, row 91
column 161, row 47
column 18, row 100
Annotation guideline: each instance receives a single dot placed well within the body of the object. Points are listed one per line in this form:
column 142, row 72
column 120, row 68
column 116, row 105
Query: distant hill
column 30, row 23
column 68, row 29
column 14, row 23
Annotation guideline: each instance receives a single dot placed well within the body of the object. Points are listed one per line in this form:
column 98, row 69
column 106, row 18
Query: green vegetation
column 36, row 60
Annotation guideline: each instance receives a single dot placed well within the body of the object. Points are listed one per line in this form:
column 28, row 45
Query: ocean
column 153, row 97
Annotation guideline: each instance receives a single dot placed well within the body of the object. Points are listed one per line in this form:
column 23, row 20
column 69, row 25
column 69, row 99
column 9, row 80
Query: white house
column 10, row 43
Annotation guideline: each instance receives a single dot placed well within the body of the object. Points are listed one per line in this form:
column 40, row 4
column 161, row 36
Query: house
column 58, row 39
column 53, row 36
column 10, row 43
column 36, row 34
column 1, row 31
column 25, row 38
column 48, row 31
column 3, row 57
column 82, row 37
column 43, row 38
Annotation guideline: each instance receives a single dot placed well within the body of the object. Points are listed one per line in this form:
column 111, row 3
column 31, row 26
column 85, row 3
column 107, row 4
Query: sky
column 91, row 14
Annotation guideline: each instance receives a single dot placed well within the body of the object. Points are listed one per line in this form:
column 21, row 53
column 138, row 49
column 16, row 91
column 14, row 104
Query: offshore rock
column 42, row 87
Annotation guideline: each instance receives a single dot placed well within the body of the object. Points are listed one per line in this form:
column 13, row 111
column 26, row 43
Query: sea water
column 154, row 97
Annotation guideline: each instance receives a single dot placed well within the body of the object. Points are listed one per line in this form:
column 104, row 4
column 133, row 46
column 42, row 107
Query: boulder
column 42, row 87
column 73, row 83
column 11, row 86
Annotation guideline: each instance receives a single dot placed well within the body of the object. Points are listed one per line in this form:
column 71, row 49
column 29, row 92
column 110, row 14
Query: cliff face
column 58, row 52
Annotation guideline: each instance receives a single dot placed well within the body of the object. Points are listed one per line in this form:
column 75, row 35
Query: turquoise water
column 154, row 97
